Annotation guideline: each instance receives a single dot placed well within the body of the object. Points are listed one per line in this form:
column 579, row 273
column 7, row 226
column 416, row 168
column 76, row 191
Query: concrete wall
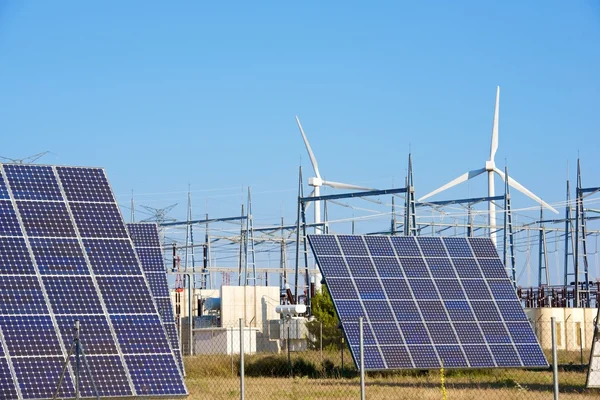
column 574, row 326
column 259, row 303
column 224, row 340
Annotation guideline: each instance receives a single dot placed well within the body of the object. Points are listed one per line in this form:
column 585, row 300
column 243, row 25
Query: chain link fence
column 289, row 359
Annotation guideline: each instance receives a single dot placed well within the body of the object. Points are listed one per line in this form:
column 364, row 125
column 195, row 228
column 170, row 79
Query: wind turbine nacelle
column 489, row 165
column 315, row 181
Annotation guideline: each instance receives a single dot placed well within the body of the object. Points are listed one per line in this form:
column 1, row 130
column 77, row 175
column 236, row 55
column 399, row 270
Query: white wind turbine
column 316, row 182
column 490, row 168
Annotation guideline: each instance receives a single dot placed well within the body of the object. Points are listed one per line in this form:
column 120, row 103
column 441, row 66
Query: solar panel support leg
column 62, row 374
column 242, row 386
column 554, row 358
column 362, row 358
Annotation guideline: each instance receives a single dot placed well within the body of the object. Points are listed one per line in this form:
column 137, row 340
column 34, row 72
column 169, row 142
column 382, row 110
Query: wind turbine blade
column 312, row 193
column 494, row 146
column 311, row 155
column 524, row 190
column 339, row 185
column 464, row 177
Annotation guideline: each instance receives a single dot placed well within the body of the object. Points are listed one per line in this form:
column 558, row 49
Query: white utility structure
column 490, row 168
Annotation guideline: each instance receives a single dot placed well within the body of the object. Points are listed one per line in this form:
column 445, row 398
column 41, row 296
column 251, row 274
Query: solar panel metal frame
column 6, row 196
column 368, row 324
column 143, row 244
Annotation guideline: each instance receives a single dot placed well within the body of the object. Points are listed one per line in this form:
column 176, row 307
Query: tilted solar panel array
column 426, row 301
column 146, row 241
column 65, row 255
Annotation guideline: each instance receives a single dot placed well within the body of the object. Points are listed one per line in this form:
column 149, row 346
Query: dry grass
column 212, row 377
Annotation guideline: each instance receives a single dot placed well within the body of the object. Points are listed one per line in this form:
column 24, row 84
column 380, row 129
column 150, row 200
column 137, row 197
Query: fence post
column 242, row 387
column 321, row 334
column 580, row 345
column 554, row 358
column 362, row 358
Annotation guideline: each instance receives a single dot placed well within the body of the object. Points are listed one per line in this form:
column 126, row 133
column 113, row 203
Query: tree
column 324, row 312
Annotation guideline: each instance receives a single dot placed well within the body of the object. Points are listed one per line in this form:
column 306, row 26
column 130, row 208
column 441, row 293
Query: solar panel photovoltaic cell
column 62, row 246
column 426, row 302
column 146, row 239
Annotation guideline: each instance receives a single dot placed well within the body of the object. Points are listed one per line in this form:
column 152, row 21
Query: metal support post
column 554, row 358
column 362, row 358
column 242, row 387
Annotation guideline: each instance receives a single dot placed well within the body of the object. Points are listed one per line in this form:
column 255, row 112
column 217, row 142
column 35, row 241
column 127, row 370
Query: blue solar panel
column 452, row 356
column 440, row 267
column 450, row 298
column 502, row 290
column 397, row 357
column 432, row 247
column 165, row 309
column 30, row 336
column 342, row 288
column 424, row 356
column 9, row 224
column 109, row 377
column 7, row 386
column 46, row 219
column 335, row 266
column 477, row 289
column 531, row 355
column 353, row 329
column 414, row 332
column 72, row 295
column 140, row 334
column 423, row 289
column 459, row 310
column 478, row 355
column 469, row 333
column 98, row 220
column 155, row 374
column 3, row 189
column 467, row 268
column 39, row 376
column 433, row 310
column 21, row 295
column 325, row 245
column 405, row 246
column 158, row 284
column 450, row 289
column 495, row 332
column 146, row 240
column 94, row 333
column 378, row 310
column 379, row 246
column 112, row 257
column 505, row 355
column 126, row 295
column 361, row 266
column 14, row 256
column 387, row 267
column 458, row 247
column 59, row 256
column 352, row 245
column 32, row 182
column 370, row 289
column 144, row 235
column 51, row 277
column 85, row 184
column 414, row 267
column 442, row 333
column 396, row 289
column 405, row 310
column 387, row 333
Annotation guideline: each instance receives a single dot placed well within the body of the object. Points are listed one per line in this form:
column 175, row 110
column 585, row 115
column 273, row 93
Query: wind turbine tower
column 491, row 169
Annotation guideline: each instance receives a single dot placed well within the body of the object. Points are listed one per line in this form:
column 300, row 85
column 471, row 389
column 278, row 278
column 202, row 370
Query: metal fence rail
column 285, row 362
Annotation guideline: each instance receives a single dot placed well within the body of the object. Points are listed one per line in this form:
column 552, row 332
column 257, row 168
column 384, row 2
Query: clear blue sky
column 166, row 94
